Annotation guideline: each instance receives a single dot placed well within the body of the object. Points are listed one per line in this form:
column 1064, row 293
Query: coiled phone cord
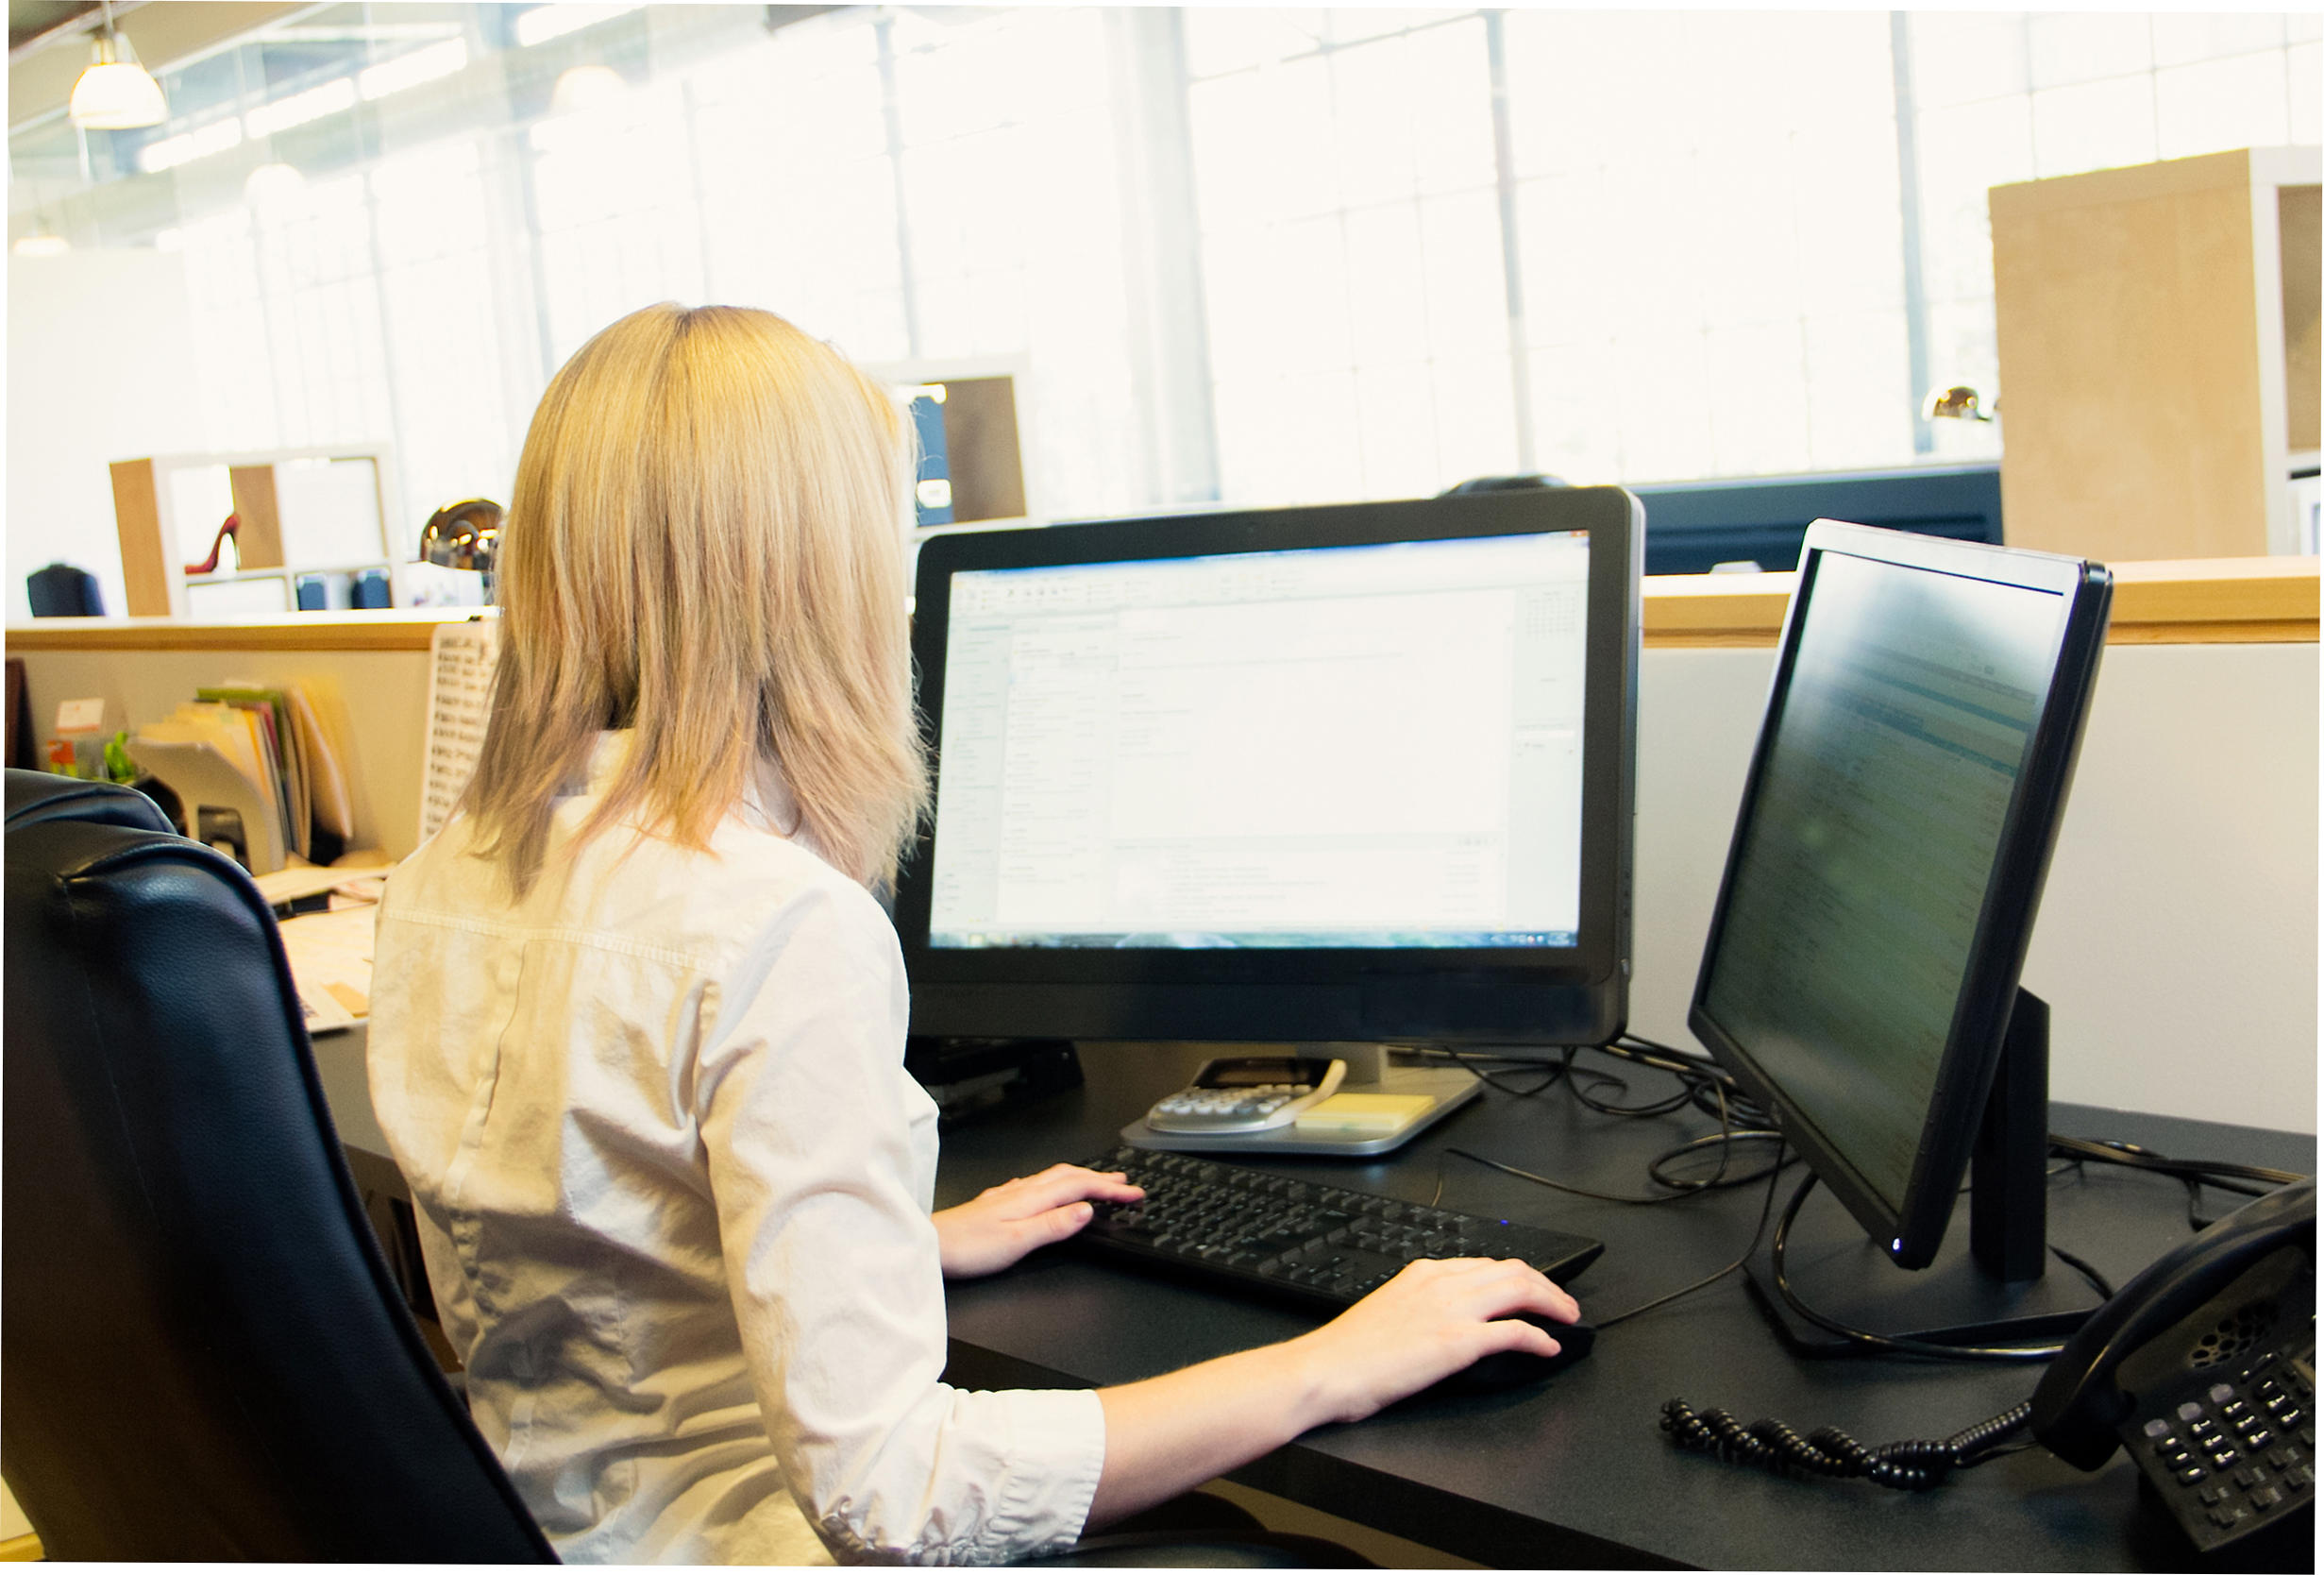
column 1908, row 1463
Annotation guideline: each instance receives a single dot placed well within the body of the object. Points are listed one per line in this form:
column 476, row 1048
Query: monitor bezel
column 1276, row 993
column 1912, row 1231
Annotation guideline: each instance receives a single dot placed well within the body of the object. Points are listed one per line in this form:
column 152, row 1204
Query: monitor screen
column 1887, row 860
column 1307, row 750
column 1371, row 746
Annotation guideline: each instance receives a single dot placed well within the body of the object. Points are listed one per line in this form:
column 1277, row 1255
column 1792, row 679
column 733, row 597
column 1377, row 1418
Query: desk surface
column 1577, row 1471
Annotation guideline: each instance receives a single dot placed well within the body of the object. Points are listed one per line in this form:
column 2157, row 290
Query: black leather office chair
column 205, row 1356
column 61, row 590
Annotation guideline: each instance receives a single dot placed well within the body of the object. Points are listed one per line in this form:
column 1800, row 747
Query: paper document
column 462, row 658
column 330, row 962
column 327, row 788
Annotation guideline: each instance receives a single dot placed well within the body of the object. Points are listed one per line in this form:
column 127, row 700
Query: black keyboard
column 1327, row 1246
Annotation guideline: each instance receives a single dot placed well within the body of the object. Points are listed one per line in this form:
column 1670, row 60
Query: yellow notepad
column 1362, row 1115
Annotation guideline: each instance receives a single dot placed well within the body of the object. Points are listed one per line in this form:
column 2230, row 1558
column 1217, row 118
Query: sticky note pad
column 1362, row 1115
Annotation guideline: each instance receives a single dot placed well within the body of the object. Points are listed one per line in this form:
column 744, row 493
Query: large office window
column 1710, row 232
column 1238, row 254
column 1350, row 251
column 2006, row 97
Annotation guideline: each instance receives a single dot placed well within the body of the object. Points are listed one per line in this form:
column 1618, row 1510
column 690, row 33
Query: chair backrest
column 206, row 1356
column 61, row 590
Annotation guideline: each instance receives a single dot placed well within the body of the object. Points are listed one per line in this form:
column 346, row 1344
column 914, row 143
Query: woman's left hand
column 1001, row 1224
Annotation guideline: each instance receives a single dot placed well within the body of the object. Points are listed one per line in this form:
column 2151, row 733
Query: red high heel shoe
column 226, row 531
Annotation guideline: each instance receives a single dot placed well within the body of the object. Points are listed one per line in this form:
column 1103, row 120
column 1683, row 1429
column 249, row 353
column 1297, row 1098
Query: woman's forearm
column 1166, row 1434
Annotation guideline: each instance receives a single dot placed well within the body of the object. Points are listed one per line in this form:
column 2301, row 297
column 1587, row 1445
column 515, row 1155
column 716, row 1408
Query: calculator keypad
column 1225, row 1109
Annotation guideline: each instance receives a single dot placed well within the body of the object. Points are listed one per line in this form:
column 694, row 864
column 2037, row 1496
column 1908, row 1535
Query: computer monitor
column 1355, row 773
column 1693, row 527
column 1861, row 978
column 968, row 426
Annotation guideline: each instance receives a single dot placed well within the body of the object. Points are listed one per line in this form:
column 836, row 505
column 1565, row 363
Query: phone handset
column 2082, row 1400
column 2203, row 1365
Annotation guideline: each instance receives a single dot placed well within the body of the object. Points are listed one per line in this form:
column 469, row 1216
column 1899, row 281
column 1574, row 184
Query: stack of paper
column 272, row 740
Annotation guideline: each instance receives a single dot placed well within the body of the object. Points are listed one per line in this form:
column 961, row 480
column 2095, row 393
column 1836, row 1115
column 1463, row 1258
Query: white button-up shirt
column 673, row 1187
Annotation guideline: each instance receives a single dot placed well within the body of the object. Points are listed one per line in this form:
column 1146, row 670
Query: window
column 1251, row 255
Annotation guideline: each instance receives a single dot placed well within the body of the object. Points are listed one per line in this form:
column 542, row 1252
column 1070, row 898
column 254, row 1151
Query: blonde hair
column 704, row 545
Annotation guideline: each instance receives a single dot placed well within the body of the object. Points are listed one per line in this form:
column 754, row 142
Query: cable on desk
column 1766, row 1207
column 1911, row 1464
column 2195, row 1175
column 1747, row 1133
column 1479, row 1067
column 1727, row 1136
column 1896, row 1345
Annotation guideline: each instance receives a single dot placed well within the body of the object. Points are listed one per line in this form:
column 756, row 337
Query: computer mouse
column 1509, row 1369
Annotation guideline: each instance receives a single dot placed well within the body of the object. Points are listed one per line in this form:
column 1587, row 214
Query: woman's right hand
column 1166, row 1434
column 1436, row 1317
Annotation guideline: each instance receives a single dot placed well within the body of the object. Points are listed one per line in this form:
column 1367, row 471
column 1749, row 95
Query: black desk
column 1577, row 1471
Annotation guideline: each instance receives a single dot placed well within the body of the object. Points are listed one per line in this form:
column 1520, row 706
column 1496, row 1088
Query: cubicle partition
column 2178, row 930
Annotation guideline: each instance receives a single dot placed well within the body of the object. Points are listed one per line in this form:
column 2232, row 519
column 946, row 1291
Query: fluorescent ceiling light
column 188, row 146
column 332, row 96
column 543, row 22
column 409, row 71
column 364, row 32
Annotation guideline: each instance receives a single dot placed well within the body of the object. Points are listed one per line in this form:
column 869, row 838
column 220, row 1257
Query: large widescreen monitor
column 1359, row 772
column 1861, row 977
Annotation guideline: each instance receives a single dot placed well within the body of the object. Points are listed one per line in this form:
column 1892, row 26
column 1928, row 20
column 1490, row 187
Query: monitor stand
column 1370, row 1070
column 1987, row 1285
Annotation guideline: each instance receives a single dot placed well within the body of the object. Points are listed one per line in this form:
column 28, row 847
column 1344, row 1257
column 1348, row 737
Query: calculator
column 1247, row 1094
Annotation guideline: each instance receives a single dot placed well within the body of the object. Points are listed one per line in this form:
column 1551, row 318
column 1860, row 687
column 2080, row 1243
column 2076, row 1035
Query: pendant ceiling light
column 116, row 93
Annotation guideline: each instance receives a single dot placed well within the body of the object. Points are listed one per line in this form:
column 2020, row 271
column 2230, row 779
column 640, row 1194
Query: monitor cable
column 1900, row 1344
column 1766, row 1207
column 2226, row 1175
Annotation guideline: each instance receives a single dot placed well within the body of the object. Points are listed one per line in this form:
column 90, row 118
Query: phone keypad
column 2239, row 1452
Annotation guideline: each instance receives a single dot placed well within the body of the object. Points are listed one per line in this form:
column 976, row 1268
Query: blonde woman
column 638, row 1027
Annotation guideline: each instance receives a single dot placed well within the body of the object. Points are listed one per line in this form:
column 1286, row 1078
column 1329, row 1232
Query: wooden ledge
column 2191, row 601
column 402, row 629
column 2199, row 602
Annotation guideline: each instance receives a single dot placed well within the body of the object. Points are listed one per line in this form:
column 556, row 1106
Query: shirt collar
column 768, row 802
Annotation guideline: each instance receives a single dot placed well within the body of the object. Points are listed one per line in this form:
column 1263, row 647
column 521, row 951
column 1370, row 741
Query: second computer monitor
column 1359, row 772
column 1861, row 972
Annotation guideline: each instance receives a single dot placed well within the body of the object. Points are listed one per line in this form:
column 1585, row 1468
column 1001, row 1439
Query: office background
column 1241, row 255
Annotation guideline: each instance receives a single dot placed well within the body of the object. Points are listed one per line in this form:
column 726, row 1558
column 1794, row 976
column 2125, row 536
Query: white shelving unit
column 304, row 513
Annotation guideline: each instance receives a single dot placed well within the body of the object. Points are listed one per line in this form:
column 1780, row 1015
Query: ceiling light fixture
column 585, row 87
column 116, row 93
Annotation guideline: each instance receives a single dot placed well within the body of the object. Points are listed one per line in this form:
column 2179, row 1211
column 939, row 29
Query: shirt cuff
column 1056, row 1452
